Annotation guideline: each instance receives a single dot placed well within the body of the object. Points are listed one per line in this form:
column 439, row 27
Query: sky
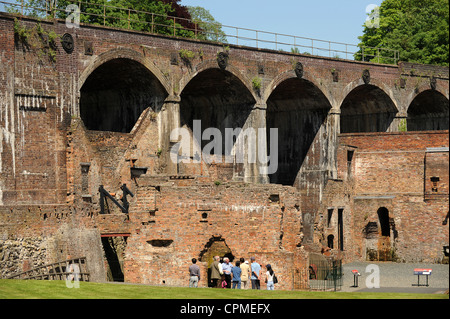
column 331, row 20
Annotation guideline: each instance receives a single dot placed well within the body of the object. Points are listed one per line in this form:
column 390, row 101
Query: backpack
column 275, row 279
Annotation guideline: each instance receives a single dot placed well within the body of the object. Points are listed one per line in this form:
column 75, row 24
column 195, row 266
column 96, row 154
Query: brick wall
column 392, row 171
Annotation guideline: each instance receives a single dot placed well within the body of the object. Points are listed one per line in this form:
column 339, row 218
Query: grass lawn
column 40, row 289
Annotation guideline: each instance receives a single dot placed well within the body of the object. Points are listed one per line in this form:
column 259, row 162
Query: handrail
column 57, row 269
column 240, row 36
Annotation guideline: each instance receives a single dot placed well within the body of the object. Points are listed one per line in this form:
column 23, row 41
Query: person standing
column 236, row 275
column 256, row 273
column 226, row 268
column 244, row 273
column 194, row 274
column 269, row 277
column 216, row 272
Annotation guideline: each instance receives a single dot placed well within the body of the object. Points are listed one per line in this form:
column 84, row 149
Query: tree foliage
column 210, row 28
column 155, row 16
column 419, row 29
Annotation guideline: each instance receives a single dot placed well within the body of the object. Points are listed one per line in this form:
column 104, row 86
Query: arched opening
column 383, row 218
column 116, row 93
column 367, row 109
column 298, row 109
column 428, row 112
column 221, row 102
column 216, row 246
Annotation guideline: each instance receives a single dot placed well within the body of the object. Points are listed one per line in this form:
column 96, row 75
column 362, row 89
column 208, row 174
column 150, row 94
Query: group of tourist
column 224, row 275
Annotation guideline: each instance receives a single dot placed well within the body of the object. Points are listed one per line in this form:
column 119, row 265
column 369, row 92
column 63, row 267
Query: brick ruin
column 362, row 156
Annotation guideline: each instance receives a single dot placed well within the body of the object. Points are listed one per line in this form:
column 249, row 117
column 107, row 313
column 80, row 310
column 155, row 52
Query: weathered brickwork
column 391, row 171
column 104, row 118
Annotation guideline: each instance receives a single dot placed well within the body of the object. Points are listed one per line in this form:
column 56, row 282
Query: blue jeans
column 270, row 285
column 237, row 284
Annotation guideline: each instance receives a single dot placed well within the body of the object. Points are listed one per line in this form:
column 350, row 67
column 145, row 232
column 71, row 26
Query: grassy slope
column 29, row 289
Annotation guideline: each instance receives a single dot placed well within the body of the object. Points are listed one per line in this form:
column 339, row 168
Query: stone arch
column 216, row 246
column 299, row 110
column 116, row 89
column 367, row 107
column 428, row 111
column 220, row 100
column 280, row 78
column 125, row 54
column 212, row 64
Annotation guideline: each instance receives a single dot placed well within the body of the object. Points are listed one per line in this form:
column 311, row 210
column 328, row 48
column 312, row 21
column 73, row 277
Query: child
column 224, row 282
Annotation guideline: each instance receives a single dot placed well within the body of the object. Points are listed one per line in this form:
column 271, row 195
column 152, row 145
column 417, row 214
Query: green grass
column 36, row 289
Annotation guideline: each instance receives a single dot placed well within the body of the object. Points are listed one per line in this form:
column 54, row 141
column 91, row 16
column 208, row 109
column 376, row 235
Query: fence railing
column 55, row 271
column 323, row 274
column 107, row 15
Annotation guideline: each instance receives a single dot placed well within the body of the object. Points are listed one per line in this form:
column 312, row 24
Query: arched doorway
column 367, row 108
column 116, row 93
column 216, row 246
column 429, row 111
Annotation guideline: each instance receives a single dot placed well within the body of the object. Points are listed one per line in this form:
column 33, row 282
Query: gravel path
column 396, row 277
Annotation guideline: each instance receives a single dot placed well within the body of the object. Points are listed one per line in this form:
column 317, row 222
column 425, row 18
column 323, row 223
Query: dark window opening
column 383, row 216
column 349, row 162
column 160, row 242
column 329, row 215
column 330, row 241
column 341, row 228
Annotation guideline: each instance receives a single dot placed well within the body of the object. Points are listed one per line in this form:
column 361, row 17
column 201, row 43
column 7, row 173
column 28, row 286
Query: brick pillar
column 399, row 124
column 255, row 167
column 169, row 119
column 333, row 130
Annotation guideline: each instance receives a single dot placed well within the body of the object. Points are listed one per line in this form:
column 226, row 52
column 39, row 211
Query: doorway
column 114, row 256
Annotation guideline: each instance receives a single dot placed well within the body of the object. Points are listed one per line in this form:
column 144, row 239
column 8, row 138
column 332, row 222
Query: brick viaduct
column 362, row 155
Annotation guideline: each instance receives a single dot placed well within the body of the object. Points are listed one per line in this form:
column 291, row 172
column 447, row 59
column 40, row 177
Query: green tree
column 132, row 14
column 419, row 29
column 209, row 28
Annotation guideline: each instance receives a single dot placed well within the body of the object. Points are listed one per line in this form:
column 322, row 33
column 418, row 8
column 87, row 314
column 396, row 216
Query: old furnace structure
column 362, row 155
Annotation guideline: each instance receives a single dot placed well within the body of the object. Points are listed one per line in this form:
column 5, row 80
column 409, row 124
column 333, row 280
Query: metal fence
column 322, row 274
column 107, row 15
column 325, row 275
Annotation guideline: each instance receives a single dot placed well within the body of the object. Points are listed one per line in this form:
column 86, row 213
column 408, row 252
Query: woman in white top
column 269, row 279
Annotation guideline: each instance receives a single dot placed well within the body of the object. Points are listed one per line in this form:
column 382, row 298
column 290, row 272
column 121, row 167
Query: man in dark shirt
column 194, row 274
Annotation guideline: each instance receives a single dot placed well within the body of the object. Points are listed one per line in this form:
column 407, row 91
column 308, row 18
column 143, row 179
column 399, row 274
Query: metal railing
column 128, row 18
column 55, row 271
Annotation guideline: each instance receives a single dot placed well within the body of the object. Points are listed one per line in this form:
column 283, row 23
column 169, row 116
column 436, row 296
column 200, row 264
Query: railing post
column 174, row 26
column 153, row 22
column 257, row 39
column 129, row 13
